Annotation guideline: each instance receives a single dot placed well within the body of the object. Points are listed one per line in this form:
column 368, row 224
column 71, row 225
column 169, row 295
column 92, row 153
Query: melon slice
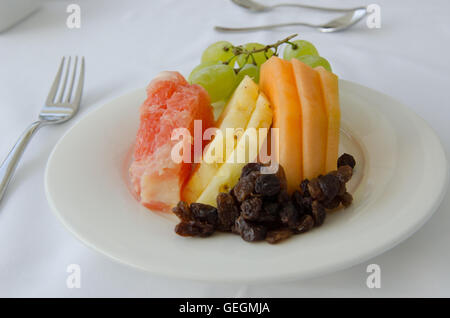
column 330, row 90
column 314, row 119
column 278, row 84
column 171, row 103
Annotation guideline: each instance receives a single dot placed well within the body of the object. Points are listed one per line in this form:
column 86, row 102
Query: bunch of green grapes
column 217, row 72
column 306, row 52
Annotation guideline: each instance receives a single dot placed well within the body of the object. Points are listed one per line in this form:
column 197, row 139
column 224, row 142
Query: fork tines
column 61, row 92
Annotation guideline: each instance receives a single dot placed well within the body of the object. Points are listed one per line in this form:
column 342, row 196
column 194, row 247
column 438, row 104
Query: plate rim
column 289, row 276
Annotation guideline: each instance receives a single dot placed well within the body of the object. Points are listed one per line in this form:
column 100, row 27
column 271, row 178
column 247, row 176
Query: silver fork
column 258, row 7
column 60, row 106
column 345, row 21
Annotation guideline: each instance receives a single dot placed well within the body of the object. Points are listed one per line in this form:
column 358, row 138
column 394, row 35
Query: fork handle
column 305, row 6
column 262, row 27
column 10, row 163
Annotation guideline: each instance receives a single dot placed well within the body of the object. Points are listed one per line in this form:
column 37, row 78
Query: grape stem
column 239, row 50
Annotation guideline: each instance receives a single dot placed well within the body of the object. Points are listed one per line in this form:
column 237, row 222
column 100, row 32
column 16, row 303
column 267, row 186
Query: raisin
column 304, row 188
column 245, row 186
column 249, row 167
column 346, row 199
column 249, row 232
column 297, row 199
column 282, row 197
column 289, row 215
column 318, row 213
column 267, row 184
column 227, row 211
column 315, row 190
column 194, row 228
column 182, row 211
column 251, row 209
column 307, row 202
column 342, row 189
column 332, row 204
column 305, row 224
column 344, row 173
column 329, row 185
column 346, row 160
column 204, row 212
column 282, row 177
column 276, row 236
column 269, row 212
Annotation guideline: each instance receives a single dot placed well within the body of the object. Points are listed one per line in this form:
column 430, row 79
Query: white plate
column 399, row 181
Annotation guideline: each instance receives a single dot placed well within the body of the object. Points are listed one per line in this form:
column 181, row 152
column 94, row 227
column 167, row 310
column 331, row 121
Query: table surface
column 125, row 44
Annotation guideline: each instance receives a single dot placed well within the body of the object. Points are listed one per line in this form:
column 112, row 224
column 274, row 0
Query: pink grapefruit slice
column 171, row 103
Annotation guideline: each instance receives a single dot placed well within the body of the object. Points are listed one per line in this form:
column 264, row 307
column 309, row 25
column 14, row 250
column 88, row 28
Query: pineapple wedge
column 236, row 114
column 228, row 174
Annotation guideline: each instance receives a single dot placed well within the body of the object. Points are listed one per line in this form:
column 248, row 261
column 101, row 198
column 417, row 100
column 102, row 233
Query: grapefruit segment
column 171, row 103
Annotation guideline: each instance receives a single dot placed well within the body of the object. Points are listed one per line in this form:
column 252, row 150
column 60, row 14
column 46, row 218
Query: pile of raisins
column 259, row 207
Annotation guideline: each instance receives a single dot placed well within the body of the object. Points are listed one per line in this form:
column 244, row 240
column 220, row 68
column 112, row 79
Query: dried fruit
column 342, row 189
column 251, row 209
column 318, row 213
column 259, row 207
column 289, row 215
column 282, row 177
column 282, row 197
column 249, row 232
column 227, row 211
column 267, row 184
column 330, row 185
column 249, row 167
column 304, row 188
column 182, row 211
column 332, row 204
column 346, row 159
column 315, row 190
column 194, row 228
column 276, row 236
column 305, row 224
column 297, row 199
column 270, row 211
column 245, row 186
column 204, row 212
column 346, row 199
column 307, row 201
column 344, row 173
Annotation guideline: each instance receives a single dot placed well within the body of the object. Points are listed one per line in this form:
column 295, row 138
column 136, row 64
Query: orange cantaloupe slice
column 314, row 119
column 330, row 91
column 278, row 84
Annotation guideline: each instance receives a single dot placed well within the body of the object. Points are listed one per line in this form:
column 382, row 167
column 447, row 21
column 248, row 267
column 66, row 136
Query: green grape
column 248, row 69
column 260, row 57
column 303, row 48
column 315, row 61
column 219, row 51
column 201, row 66
column 218, row 80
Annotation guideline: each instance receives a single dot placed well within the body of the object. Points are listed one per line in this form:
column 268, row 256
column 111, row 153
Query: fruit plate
column 400, row 179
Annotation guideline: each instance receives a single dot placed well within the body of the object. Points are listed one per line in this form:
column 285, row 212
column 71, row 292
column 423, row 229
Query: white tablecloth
column 125, row 44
